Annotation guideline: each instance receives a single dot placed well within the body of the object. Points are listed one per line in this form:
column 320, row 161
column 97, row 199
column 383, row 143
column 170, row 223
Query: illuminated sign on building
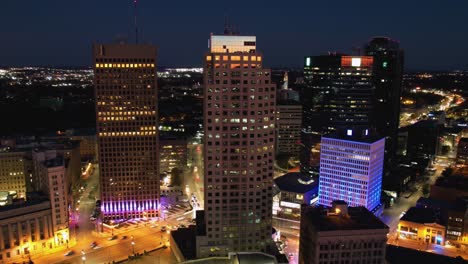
column 308, row 61
column 356, row 62
column 290, row 205
column 361, row 61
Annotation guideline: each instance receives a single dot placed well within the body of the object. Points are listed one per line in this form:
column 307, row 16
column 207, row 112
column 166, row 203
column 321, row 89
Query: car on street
column 124, row 237
column 69, row 253
column 112, row 238
column 93, row 245
column 163, row 229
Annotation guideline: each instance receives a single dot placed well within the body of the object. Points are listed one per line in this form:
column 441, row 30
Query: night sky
column 433, row 33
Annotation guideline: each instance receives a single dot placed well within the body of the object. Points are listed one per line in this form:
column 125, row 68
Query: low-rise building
column 462, row 151
column 13, row 174
column 450, row 188
column 290, row 191
column 26, row 230
column 423, row 225
column 173, row 154
column 341, row 234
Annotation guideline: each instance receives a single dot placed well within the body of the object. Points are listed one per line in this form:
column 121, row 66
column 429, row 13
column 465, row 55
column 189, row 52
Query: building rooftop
column 288, row 102
column 355, row 137
column 186, row 241
column 420, row 215
column 33, row 199
column 454, row 181
column 332, row 219
column 296, row 182
column 55, row 162
column 239, row 258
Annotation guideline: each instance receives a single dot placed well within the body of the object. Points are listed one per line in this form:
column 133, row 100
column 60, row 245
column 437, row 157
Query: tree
column 426, row 189
column 447, row 172
column 445, row 150
column 176, row 177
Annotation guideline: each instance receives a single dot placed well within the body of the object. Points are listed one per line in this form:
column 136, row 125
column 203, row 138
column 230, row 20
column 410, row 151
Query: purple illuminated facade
column 351, row 170
column 126, row 117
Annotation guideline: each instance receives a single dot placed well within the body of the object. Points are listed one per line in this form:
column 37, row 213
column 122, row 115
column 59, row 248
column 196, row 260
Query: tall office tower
column 387, row 76
column 127, row 123
column 351, row 169
column 239, row 126
column 288, row 126
column 339, row 92
column 288, row 120
column 341, row 234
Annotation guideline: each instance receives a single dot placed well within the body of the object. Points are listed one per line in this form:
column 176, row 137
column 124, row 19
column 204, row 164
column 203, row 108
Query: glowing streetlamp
column 133, row 247
column 83, row 256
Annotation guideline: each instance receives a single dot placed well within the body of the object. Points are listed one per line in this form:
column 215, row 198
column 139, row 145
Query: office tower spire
column 135, row 17
column 239, row 124
column 127, row 121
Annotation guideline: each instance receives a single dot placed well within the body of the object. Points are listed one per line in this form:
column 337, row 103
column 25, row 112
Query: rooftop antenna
column 357, row 50
column 136, row 25
column 227, row 31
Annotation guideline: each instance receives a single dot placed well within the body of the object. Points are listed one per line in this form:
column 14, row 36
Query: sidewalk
column 437, row 249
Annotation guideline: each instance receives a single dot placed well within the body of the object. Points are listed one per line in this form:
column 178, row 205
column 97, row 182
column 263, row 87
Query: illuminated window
column 253, row 58
column 208, row 58
column 384, row 64
column 235, row 58
column 246, row 58
column 225, row 58
column 259, row 58
column 217, row 58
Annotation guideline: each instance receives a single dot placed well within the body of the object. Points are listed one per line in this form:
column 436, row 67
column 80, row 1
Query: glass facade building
column 351, row 170
column 339, row 92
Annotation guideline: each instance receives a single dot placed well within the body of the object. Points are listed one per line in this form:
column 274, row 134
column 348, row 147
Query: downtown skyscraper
column 239, row 126
column 339, row 92
column 127, row 122
column 387, row 75
column 351, row 169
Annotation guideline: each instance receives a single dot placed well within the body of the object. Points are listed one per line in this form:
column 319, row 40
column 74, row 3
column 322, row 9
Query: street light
column 112, row 226
column 83, row 256
column 133, row 247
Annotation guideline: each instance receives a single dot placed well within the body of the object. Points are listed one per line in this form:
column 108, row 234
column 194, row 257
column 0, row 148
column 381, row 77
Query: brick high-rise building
column 239, row 126
column 127, row 123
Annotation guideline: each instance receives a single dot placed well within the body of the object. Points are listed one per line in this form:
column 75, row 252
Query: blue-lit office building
column 351, row 169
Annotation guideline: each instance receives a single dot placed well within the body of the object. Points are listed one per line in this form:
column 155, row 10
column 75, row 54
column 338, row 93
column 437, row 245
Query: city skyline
column 167, row 26
column 338, row 159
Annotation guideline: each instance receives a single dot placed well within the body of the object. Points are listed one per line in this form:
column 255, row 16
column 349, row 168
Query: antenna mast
column 136, row 25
